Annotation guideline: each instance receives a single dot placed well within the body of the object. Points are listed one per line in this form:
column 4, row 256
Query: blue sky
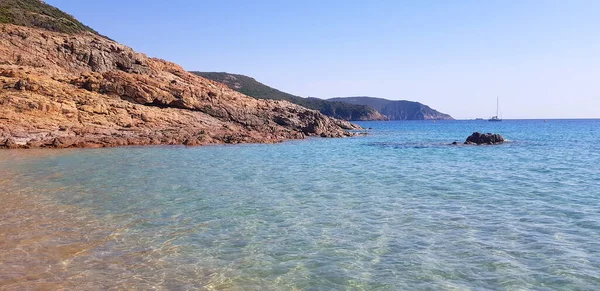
column 540, row 57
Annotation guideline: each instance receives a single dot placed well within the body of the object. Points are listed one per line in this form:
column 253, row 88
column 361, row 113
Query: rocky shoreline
column 82, row 90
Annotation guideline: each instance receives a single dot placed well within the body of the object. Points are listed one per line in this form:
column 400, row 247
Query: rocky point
column 84, row 90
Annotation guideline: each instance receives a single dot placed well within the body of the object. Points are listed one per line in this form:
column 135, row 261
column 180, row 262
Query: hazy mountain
column 253, row 88
column 397, row 109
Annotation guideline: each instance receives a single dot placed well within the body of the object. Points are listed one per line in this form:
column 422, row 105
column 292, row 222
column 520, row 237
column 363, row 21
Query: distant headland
column 349, row 108
column 397, row 109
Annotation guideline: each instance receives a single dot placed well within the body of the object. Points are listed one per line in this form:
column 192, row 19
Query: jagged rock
column 106, row 94
column 10, row 143
column 21, row 85
column 484, row 138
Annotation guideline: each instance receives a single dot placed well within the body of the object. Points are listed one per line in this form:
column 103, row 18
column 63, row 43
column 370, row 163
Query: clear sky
column 542, row 58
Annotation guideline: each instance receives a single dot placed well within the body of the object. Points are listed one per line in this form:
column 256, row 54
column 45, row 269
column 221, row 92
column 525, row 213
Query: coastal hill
column 397, row 109
column 33, row 13
column 253, row 88
column 64, row 85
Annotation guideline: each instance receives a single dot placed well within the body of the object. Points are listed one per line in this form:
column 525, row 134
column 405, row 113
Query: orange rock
column 106, row 94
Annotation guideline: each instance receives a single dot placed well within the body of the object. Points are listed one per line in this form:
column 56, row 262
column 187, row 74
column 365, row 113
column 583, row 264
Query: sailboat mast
column 497, row 106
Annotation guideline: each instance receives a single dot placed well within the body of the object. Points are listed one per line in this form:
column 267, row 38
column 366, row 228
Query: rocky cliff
column 253, row 88
column 397, row 109
column 80, row 89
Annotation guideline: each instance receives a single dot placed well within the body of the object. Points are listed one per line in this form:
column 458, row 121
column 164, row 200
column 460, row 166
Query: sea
column 397, row 209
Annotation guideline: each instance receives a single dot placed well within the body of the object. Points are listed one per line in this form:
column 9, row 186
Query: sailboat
column 496, row 117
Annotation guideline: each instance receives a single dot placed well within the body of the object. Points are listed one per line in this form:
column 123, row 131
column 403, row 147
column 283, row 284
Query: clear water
column 398, row 209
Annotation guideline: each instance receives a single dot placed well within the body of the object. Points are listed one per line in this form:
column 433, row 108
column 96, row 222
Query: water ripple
column 399, row 209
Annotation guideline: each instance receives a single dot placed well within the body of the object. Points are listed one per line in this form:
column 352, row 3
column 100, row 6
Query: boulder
column 484, row 138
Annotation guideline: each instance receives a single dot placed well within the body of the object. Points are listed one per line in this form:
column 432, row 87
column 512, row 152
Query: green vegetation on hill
column 397, row 109
column 36, row 13
column 253, row 88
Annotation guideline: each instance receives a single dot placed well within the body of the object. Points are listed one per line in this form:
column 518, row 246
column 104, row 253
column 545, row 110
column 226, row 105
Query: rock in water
column 484, row 138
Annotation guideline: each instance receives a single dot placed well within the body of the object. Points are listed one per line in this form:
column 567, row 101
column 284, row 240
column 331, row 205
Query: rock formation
column 84, row 90
column 484, row 138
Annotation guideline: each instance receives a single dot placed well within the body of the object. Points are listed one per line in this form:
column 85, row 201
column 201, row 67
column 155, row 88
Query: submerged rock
column 484, row 138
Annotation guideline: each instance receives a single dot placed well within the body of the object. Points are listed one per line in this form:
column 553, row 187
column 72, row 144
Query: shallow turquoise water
column 398, row 209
